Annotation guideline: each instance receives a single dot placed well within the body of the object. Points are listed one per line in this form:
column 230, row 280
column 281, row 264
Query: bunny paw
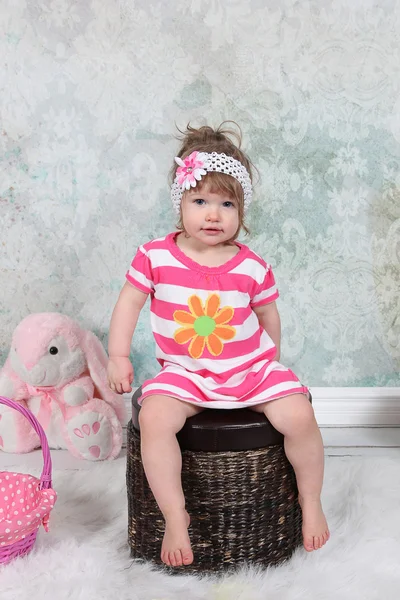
column 91, row 435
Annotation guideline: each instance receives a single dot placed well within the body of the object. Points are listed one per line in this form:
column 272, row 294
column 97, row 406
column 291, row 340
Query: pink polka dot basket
column 25, row 501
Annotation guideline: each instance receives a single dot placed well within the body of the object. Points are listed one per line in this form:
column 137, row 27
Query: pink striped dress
column 209, row 342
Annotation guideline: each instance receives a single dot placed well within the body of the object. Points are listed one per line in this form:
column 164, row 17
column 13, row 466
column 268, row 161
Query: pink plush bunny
column 58, row 371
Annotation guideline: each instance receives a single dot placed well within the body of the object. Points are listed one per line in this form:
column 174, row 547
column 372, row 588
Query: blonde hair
column 207, row 139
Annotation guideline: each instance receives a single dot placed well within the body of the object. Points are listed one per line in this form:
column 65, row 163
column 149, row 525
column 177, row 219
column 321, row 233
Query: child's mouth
column 212, row 231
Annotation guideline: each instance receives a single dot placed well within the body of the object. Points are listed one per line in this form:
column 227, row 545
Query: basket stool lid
column 219, row 430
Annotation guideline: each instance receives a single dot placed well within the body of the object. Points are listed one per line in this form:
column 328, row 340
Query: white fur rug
column 85, row 555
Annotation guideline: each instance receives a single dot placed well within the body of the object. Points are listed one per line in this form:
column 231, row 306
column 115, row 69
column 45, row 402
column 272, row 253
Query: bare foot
column 176, row 550
column 315, row 528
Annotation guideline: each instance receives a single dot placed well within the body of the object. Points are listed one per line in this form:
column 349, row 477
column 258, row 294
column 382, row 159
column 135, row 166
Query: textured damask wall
column 89, row 95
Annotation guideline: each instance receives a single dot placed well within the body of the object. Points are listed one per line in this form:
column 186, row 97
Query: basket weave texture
column 25, row 501
column 243, row 508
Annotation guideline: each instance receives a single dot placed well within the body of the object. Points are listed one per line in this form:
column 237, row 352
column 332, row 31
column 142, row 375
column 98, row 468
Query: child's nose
column 213, row 214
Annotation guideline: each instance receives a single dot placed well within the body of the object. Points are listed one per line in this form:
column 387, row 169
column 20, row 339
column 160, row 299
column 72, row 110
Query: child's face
column 210, row 218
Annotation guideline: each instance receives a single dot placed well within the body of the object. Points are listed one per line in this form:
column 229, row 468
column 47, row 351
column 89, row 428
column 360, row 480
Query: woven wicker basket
column 24, row 545
column 243, row 507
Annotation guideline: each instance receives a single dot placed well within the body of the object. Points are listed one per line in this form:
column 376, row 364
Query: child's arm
column 123, row 323
column 269, row 319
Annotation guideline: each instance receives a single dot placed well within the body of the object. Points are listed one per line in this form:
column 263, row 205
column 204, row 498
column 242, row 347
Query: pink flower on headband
column 191, row 169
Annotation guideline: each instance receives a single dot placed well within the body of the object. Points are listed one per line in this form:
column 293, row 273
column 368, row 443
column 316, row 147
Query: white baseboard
column 356, row 407
column 350, row 407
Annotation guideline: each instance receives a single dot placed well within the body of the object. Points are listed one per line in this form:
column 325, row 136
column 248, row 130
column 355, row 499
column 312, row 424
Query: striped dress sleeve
column 267, row 291
column 140, row 272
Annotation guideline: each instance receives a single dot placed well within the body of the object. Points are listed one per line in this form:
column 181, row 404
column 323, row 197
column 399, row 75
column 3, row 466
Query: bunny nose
column 29, row 365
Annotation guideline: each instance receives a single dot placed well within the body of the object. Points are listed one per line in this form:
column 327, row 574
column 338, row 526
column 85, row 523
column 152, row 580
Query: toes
column 187, row 556
column 320, row 540
column 309, row 544
column 178, row 558
column 316, row 542
column 172, row 559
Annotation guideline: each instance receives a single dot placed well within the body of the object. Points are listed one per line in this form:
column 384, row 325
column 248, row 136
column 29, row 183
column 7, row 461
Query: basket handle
column 45, row 478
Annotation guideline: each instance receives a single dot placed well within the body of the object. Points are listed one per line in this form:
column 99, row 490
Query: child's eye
column 228, row 204
column 199, row 201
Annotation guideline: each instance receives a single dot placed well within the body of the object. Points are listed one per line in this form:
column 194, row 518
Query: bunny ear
column 96, row 358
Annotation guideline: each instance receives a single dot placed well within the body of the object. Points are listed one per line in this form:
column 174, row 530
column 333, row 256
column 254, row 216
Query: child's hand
column 120, row 374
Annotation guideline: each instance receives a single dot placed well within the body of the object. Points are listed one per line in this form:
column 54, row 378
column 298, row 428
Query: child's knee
column 156, row 414
column 150, row 413
column 302, row 418
column 292, row 415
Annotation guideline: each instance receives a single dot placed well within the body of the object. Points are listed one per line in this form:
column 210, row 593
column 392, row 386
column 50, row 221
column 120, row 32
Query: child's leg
column 160, row 418
column 294, row 417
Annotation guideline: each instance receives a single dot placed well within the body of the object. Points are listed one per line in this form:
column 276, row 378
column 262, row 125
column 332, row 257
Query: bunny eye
column 53, row 350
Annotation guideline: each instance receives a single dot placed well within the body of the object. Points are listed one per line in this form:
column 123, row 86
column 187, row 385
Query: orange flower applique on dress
column 204, row 326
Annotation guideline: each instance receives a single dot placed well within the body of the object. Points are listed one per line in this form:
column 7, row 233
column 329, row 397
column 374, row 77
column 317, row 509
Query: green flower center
column 204, row 326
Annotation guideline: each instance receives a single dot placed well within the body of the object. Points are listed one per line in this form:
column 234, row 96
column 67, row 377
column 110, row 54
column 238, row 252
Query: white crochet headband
column 192, row 168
